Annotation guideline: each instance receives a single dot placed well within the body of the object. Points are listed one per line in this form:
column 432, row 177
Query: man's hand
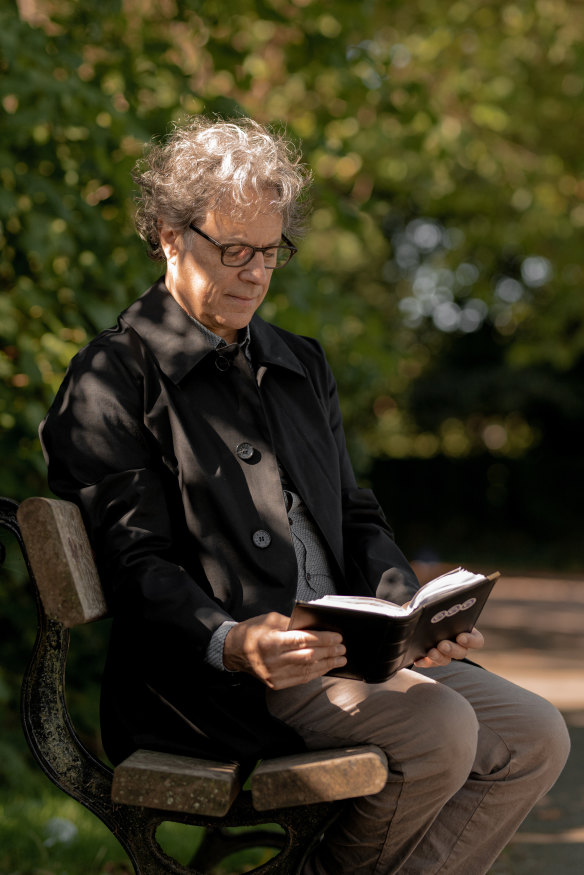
column 447, row 650
column 264, row 648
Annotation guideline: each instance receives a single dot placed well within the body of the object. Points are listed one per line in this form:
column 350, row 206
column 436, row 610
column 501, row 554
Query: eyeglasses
column 239, row 254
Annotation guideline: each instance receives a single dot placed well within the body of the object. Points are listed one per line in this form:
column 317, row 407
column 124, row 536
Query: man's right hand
column 263, row 647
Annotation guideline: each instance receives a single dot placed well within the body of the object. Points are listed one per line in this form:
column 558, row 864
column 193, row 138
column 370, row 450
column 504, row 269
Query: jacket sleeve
column 100, row 456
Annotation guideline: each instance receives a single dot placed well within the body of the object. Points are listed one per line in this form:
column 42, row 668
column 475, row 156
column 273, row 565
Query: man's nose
column 256, row 268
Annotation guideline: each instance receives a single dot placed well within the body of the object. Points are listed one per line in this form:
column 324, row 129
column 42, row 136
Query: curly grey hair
column 217, row 165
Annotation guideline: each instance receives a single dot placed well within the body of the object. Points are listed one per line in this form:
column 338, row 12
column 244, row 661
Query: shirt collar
column 217, row 342
column 167, row 330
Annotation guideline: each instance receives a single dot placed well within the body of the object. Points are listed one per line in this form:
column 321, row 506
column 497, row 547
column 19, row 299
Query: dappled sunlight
column 568, row 836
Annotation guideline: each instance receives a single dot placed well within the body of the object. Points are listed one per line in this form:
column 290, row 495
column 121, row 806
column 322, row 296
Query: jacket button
column 262, row 539
column 245, row 451
column 222, row 363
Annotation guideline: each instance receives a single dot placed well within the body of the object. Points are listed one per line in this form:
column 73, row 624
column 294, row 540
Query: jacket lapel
column 168, row 331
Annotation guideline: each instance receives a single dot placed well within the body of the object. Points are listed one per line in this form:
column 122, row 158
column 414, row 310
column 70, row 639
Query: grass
column 44, row 832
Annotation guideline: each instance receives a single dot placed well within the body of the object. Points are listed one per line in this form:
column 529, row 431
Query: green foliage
column 444, row 142
column 44, row 832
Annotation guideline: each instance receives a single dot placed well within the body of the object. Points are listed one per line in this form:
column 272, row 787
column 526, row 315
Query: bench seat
column 196, row 786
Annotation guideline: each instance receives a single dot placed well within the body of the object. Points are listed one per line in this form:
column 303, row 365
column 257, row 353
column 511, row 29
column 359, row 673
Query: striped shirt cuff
column 214, row 654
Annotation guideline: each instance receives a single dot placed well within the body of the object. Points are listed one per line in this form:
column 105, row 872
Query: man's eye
column 237, row 253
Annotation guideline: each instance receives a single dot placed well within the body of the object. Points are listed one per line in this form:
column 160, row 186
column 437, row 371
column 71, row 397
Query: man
column 205, row 449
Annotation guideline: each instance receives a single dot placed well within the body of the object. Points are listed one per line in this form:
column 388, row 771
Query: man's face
column 222, row 298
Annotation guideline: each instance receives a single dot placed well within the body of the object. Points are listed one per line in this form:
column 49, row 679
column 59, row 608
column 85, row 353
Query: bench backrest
column 62, row 561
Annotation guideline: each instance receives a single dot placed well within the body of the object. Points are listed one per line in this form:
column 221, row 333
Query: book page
column 361, row 603
column 457, row 579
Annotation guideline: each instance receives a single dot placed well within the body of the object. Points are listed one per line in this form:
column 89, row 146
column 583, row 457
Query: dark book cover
column 382, row 638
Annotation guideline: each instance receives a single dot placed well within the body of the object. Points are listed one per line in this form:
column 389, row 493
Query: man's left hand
column 447, row 650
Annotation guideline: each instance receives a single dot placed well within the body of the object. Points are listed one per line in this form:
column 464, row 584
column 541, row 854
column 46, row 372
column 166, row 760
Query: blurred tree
column 448, row 193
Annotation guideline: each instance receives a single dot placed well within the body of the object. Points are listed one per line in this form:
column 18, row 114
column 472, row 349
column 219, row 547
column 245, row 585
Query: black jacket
column 189, row 528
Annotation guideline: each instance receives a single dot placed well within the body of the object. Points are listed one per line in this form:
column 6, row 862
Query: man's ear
column 168, row 240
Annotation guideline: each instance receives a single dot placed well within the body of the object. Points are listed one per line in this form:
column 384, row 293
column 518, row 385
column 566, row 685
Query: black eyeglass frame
column 224, row 246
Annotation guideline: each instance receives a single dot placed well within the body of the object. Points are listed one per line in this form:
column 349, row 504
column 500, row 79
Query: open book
column 381, row 637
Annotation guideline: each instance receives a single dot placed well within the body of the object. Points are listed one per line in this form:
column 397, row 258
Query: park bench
column 302, row 793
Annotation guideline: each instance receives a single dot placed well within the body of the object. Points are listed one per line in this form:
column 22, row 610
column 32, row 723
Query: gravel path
column 534, row 630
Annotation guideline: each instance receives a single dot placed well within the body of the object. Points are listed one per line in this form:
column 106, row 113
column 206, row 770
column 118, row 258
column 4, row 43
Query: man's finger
column 311, row 654
column 300, row 640
column 473, row 640
column 301, row 673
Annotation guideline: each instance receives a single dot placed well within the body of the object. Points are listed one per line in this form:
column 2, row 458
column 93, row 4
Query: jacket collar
column 178, row 346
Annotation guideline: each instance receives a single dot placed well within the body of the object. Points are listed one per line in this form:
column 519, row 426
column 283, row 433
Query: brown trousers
column 469, row 756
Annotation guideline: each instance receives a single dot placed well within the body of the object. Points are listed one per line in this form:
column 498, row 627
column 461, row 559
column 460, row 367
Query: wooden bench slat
column 318, row 776
column 62, row 561
column 171, row 782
